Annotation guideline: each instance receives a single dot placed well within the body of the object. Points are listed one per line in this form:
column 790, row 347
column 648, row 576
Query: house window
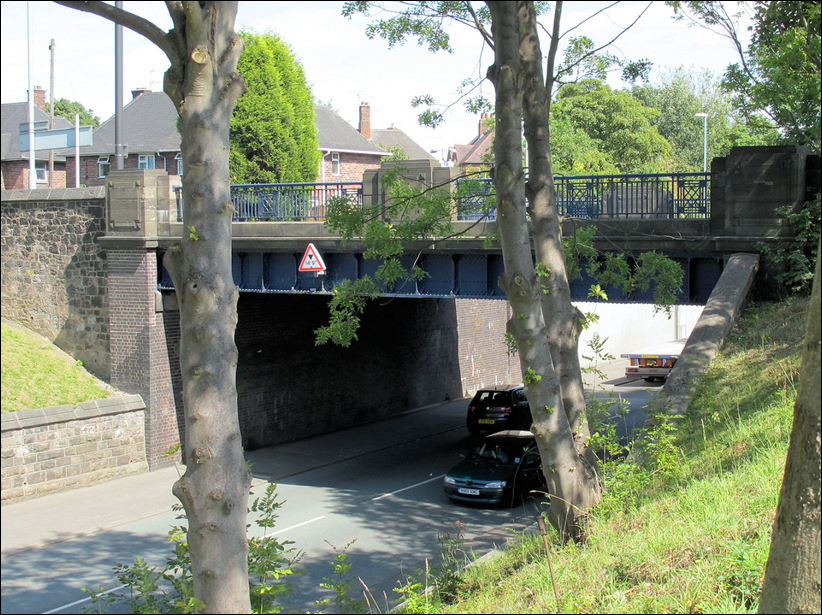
column 41, row 172
column 179, row 159
column 145, row 161
column 335, row 163
column 103, row 166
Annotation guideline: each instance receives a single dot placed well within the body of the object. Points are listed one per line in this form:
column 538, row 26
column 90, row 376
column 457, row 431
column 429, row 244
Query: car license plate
column 486, row 421
column 466, row 491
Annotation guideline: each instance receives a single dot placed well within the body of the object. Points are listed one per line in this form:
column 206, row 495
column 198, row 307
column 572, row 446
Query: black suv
column 498, row 408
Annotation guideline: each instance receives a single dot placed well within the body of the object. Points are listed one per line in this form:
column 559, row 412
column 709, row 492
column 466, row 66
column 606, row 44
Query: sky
column 343, row 67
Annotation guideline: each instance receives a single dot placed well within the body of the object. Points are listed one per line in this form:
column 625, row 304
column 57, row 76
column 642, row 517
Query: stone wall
column 54, row 270
column 46, row 450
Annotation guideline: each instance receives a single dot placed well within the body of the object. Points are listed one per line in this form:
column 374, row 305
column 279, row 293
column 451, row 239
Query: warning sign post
column 312, row 261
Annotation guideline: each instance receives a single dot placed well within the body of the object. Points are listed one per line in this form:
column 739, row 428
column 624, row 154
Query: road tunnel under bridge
column 410, row 353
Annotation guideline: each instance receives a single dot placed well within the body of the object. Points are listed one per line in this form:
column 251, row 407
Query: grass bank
column 687, row 529
column 37, row 374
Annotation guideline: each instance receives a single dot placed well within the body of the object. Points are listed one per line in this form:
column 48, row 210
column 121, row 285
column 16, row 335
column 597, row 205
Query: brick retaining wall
column 46, row 450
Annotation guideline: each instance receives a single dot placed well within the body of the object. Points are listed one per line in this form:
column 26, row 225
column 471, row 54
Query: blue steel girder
column 448, row 274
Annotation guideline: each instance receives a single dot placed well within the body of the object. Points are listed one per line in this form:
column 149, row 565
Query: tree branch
column 552, row 53
column 601, row 47
column 478, row 25
column 133, row 22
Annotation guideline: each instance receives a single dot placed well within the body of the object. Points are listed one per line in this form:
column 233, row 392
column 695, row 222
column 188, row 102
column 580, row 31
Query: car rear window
column 494, row 398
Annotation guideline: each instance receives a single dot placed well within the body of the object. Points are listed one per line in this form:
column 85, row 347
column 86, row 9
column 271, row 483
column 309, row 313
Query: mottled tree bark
column 561, row 316
column 793, row 576
column 204, row 86
column 562, row 465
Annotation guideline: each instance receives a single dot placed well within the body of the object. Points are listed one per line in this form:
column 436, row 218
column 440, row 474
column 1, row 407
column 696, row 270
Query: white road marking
column 282, row 531
column 388, row 495
column 76, row 602
column 286, row 529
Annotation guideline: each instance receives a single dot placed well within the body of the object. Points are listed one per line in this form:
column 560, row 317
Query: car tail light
column 472, row 408
column 505, row 410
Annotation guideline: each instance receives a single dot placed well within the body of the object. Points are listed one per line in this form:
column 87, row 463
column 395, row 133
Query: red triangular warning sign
column 312, row 261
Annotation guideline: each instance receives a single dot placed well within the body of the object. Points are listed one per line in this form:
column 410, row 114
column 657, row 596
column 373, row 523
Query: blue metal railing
column 291, row 202
column 634, row 196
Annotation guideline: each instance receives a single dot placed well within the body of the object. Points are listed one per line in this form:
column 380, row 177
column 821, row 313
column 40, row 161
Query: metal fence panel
column 631, row 196
column 287, row 202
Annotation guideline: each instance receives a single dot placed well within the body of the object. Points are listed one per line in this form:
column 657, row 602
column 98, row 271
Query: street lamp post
column 704, row 117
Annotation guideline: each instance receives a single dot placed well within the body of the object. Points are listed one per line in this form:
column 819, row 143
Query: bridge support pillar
column 140, row 328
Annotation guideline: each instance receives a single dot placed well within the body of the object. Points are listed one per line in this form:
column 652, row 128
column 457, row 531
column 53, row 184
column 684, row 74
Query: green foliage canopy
column 273, row 134
column 595, row 129
column 782, row 74
column 678, row 96
column 779, row 74
column 67, row 109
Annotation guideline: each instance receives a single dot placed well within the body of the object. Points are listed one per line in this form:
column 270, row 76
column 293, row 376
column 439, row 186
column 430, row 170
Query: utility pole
column 119, row 162
column 32, row 153
column 51, row 114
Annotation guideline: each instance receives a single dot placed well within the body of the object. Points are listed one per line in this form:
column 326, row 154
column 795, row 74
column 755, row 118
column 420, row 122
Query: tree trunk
column 561, row 463
column 561, row 317
column 214, row 488
column 204, row 86
column 792, row 576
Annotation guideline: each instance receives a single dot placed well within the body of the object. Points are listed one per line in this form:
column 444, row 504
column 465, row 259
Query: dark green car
column 502, row 470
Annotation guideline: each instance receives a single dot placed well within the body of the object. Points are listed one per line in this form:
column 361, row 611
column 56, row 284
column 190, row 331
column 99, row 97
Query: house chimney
column 484, row 123
column 365, row 120
column 40, row 97
column 137, row 92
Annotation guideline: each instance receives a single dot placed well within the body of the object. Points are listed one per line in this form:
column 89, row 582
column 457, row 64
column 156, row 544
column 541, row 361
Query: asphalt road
column 375, row 489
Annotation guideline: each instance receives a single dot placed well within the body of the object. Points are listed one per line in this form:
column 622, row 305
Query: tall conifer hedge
column 273, row 135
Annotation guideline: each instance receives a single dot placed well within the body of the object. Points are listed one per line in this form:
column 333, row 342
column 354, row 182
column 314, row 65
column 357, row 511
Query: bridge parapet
column 750, row 184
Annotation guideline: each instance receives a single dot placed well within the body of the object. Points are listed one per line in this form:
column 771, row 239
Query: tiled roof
column 14, row 114
column 149, row 125
column 334, row 133
column 394, row 137
column 474, row 152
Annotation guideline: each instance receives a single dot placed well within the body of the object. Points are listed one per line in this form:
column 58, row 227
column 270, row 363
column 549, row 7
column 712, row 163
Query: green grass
column 36, row 375
column 687, row 530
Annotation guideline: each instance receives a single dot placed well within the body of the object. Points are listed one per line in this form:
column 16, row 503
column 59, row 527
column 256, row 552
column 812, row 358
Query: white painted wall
column 634, row 327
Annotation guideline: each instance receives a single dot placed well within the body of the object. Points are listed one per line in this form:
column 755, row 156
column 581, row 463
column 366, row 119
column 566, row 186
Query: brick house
column 347, row 152
column 151, row 140
column 472, row 156
column 14, row 164
column 149, row 134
